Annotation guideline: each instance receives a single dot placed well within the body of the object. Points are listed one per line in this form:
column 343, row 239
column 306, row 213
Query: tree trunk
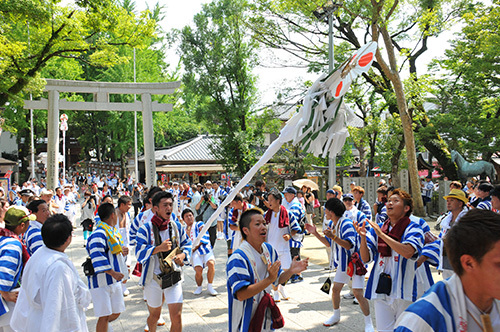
column 406, row 120
column 396, row 181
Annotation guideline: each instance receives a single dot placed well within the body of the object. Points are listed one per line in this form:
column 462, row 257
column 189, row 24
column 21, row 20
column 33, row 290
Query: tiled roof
column 196, row 149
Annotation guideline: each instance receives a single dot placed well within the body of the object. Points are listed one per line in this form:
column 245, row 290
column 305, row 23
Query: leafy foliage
column 218, row 57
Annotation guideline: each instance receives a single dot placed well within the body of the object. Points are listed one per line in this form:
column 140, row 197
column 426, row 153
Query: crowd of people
column 263, row 230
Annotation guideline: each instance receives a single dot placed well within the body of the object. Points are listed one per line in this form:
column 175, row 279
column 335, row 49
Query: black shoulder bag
column 168, row 276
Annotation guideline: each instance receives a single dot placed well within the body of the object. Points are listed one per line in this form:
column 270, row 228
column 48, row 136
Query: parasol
column 306, row 182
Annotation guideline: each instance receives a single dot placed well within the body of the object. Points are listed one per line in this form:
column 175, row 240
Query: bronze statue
column 467, row 169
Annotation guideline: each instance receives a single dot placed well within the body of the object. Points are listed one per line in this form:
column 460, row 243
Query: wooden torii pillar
column 101, row 91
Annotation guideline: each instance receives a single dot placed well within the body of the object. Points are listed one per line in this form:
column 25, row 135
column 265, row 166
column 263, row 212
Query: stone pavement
column 307, row 308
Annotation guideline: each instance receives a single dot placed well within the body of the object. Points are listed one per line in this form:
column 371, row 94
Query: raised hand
column 311, row 229
column 273, row 270
column 330, row 233
column 360, row 227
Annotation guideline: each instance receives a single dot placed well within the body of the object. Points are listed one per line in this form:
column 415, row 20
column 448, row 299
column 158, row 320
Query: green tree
column 218, row 58
column 35, row 31
column 467, row 97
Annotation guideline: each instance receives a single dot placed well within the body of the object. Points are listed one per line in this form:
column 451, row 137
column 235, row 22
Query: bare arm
column 363, row 248
column 312, row 229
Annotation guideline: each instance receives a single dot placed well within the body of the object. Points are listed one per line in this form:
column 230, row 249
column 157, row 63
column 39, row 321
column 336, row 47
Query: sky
column 270, row 76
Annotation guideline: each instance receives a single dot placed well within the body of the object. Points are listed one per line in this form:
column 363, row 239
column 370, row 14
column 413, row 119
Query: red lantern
column 190, row 174
column 205, row 173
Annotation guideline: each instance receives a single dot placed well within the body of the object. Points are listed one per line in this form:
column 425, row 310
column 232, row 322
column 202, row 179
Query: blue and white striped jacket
column 205, row 246
column 485, row 204
column 139, row 220
column 33, row 237
column 364, row 207
column 295, row 209
column 11, row 264
column 432, row 251
column 382, row 216
column 345, row 231
column 240, row 274
column 145, row 246
column 404, row 283
column 102, row 260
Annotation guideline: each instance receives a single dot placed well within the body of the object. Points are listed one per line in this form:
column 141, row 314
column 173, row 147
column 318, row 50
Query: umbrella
column 306, row 182
column 320, row 126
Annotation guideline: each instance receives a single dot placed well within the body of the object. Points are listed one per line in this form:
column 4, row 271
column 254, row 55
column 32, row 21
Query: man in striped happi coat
column 469, row 300
column 251, row 270
column 394, row 247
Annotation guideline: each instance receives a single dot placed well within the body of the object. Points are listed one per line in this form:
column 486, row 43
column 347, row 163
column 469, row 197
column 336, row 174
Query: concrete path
column 307, row 308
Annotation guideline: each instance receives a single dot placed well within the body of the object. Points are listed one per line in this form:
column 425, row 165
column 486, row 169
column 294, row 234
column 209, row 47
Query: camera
column 206, row 194
column 262, row 194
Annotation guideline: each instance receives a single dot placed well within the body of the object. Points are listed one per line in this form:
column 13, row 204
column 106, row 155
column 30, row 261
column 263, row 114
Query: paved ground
column 307, row 308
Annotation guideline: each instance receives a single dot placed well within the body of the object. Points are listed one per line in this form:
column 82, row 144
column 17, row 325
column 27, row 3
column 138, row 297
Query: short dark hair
column 238, row 197
column 276, row 194
column 486, row 187
column 105, row 211
column 475, row 234
column 259, row 183
column 161, row 195
column 246, row 219
column 152, row 191
column 407, row 200
column 456, row 184
column 56, row 230
column 106, row 196
column 124, row 200
column 188, row 210
column 336, row 206
column 34, row 205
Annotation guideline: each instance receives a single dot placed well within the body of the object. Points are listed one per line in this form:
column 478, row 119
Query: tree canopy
column 218, row 58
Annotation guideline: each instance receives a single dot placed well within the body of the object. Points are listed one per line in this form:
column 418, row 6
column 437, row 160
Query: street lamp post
column 322, row 13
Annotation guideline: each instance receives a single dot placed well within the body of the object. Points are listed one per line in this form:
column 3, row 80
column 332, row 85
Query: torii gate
column 101, row 91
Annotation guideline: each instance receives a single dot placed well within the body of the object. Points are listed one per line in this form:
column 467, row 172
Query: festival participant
column 429, row 256
column 70, row 203
column 483, row 192
column 340, row 236
column 379, row 206
column 144, row 216
column 293, row 206
column 4, row 206
column 33, row 237
column 394, row 247
column 157, row 239
column 251, row 270
column 427, row 189
column 495, row 199
column 238, row 206
column 362, row 205
column 282, row 226
column 87, row 216
column 469, row 300
column 351, row 211
column 26, row 196
column 105, row 248
column 218, row 193
column 13, row 256
column 456, row 204
column 52, row 296
column 206, row 207
column 59, row 201
column 122, row 212
column 330, row 193
column 202, row 255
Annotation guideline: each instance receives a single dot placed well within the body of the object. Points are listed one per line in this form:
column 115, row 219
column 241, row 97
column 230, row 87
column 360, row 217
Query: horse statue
column 467, row 169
